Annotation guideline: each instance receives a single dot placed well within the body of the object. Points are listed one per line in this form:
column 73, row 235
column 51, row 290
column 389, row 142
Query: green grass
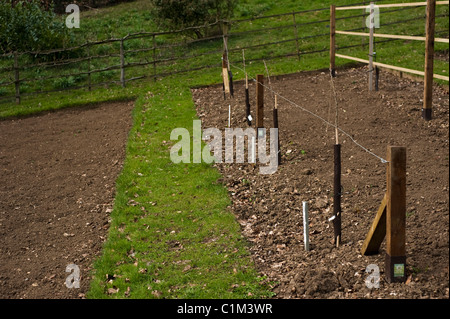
column 171, row 234
column 132, row 17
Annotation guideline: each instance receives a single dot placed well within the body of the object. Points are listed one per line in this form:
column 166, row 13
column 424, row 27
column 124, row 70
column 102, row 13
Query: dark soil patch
column 58, row 173
column 269, row 207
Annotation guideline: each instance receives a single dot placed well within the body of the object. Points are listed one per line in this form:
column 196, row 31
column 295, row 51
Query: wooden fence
column 153, row 55
column 429, row 39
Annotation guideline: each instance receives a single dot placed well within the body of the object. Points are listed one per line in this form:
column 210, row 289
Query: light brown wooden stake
column 396, row 215
column 377, row 231
column 226, row 80
column 333, row 40
column 429, row 60
column 259, row 101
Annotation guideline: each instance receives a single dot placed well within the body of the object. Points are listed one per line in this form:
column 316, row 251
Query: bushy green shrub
column 180, row 14
column 27, row 26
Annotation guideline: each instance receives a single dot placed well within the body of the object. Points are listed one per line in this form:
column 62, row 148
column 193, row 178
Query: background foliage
column 180, row 14
column 27, row 26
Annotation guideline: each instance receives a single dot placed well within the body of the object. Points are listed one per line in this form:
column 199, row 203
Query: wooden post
column 259, row 102
column 333, row 40
column 16, row 77
column 337, row 195
column 296, row 35
column 429, row 60
column 371, row 39
column 122, row 64
column 395, row 262
column 154, row 57
column 225, row 48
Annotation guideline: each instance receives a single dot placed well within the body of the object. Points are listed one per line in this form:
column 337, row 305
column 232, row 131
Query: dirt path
column 269, row 207
column 58, row 173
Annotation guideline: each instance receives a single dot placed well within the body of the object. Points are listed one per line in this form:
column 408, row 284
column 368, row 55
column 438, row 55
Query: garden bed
column 58, row 185
column 269, row 207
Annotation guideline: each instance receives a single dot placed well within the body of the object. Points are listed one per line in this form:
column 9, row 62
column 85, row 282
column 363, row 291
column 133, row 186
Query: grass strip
column 171, row 234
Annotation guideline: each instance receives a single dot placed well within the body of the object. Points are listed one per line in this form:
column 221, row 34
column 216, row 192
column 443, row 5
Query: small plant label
column 399, row 270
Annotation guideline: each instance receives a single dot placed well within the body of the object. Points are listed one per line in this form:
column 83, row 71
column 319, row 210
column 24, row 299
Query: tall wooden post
column 16, row 77
column 395, row 262
column 333, row 40
column 259, row 102
column 429, row 60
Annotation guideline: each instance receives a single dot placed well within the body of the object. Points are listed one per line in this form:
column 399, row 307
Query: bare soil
column 58, row 173
column 269, row 207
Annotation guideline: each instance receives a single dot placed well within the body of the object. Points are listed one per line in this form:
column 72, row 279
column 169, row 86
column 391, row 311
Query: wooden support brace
column 377, row 231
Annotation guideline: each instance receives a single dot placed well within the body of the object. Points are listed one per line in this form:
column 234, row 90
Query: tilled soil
column 269, row 207
column 58, row 173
